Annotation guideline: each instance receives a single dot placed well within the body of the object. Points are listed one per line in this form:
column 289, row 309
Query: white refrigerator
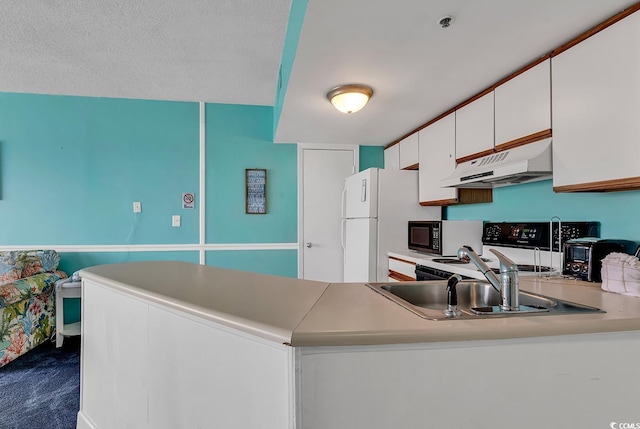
column 377, row 204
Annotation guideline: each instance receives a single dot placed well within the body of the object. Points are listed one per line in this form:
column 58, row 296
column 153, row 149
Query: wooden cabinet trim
column 628, row 184
column 439, row 202
column 598, row 28
column 401, row 260
column 394, row 143
column 521, row 70
column 474, row 98
column 412, row 167
column 532, row 138
column 475, row 156
column 623, row 14
column 400, row 277
column 465, row 196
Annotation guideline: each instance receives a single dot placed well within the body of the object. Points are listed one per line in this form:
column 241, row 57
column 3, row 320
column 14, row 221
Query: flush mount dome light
column 350, row 98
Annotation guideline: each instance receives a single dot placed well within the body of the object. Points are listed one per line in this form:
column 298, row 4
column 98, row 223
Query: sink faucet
column 507, row 284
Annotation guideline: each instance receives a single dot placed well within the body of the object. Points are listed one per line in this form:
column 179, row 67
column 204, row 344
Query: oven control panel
column 529, row 235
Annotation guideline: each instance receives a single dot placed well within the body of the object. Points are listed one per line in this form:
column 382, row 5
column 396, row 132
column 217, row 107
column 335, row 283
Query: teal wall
column 371, row 156
column 617, row 212
column 71, row 167
column 294, row 27
column 240, row 137
column 276, row 262
column 72, row 261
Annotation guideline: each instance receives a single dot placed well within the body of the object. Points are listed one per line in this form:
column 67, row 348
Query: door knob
column 309, row 244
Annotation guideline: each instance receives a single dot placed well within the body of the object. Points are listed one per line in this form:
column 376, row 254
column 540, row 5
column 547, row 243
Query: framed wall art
column 256, row 184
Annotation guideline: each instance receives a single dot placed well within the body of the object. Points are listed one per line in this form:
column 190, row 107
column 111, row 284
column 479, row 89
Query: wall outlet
column 175, row 220
column 137, row 207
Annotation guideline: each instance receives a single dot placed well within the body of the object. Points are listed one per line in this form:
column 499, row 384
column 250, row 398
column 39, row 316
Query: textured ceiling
column 225, row 51
column 229, row 51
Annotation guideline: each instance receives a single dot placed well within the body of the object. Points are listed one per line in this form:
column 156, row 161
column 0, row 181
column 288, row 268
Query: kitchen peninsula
column 180, row 345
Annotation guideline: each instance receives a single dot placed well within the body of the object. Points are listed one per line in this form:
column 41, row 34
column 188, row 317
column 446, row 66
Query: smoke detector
column 445, row 21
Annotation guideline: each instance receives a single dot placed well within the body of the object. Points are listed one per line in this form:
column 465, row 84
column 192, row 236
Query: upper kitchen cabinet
column 409, row 152
column 437, row 161
column 596, row 111
column 392, row 157
column 523, row 107
column 474, row 135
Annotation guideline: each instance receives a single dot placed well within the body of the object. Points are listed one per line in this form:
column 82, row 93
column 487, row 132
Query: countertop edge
column 262, row 330
column 330, row 339
column 343, row 314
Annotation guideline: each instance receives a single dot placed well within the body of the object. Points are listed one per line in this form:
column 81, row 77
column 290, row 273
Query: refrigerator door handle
column 343, row 214
column 363, row 191
column 344, row 250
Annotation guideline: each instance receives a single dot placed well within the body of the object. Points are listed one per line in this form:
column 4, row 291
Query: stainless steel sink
column 476, row 299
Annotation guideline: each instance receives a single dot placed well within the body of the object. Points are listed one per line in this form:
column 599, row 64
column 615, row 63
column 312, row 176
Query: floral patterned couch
column 27, row 302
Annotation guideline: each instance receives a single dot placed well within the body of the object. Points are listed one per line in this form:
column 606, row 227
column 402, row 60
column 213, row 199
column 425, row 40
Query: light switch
column 175, row 220
column 137, row 207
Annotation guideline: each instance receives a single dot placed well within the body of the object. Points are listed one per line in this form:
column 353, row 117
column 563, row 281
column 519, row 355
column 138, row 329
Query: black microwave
column 444, row 237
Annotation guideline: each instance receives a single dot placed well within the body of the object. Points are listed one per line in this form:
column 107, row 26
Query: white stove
column 527, row 244
column 530, row 262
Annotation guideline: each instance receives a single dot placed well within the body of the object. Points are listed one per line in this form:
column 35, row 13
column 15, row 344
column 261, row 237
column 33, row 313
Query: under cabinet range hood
column 521, row 164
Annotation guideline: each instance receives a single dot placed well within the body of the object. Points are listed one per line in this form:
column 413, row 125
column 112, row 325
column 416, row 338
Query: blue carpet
column 41, row 389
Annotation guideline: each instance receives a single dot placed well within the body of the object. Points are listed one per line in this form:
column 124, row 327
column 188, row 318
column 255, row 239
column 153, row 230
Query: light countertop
column 308, row 313
column 268, row 306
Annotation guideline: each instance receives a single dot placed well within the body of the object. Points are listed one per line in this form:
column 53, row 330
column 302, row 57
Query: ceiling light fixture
column 350, row 98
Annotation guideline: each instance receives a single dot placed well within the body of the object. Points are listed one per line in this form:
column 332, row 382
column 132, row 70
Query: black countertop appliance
column 583, row 256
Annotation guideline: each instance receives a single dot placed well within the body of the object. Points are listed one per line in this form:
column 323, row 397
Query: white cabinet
column 432, row 384
column 163, row 368
column 596, row 111
column 401, row 270
column 516, row 112
column 114, row 370
column 392, row 157
column 523, row 105
column 474, row 127
column 409, row 152
column 437, row 161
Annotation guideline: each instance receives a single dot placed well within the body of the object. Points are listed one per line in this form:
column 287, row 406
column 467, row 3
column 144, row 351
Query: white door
column 322, row 173
column 361, row 250
column 361, row 199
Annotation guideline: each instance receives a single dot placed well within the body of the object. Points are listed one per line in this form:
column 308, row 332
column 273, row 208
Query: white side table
column 65, row 288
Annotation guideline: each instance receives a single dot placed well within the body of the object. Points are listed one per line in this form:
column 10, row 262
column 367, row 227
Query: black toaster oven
column 583, row 256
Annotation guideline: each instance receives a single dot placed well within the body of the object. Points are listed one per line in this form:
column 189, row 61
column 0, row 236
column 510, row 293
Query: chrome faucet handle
column 506, row 264
column 509, row 289
column 464, row 251
column 466, row 247
column 507, row 284
column 467, row 251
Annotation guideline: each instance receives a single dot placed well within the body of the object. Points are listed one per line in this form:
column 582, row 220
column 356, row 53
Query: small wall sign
column 188, row 200
column 256, row 190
